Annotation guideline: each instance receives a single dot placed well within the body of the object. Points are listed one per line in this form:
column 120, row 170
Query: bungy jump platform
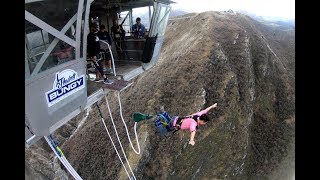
column 117, row 85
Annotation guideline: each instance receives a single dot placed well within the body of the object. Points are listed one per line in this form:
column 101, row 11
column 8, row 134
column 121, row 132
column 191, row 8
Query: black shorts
column 92, row 53
column 106, row 55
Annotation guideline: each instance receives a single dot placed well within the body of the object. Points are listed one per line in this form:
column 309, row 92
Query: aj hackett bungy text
column 66, row 83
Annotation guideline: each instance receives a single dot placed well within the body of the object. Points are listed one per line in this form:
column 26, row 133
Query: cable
column 64, row 161
column 28, row 128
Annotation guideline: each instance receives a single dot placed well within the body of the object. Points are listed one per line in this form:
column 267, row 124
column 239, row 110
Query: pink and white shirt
column 189, row 123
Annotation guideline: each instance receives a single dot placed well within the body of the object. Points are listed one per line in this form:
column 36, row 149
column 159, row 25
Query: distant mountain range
column 285, row 23
column 272, row 20
column 268, row 20
column 178, row 12
column 145, row 16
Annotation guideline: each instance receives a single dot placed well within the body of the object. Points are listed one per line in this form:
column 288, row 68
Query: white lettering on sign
column 66, row 83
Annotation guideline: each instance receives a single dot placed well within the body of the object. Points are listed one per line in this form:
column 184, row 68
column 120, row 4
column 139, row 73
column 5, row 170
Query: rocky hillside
column 211, row 57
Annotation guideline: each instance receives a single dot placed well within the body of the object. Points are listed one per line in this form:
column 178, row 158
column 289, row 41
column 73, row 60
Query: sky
column 266, row 8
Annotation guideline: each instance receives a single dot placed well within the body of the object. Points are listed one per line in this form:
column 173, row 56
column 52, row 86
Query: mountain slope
column 211, row 57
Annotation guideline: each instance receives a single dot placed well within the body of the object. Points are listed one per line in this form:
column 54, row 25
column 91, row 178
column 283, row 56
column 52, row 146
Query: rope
column 112, row 142
column 26, row 125
column 113, row 65
column 63, row 160
column 135, row 128
column 115, row 129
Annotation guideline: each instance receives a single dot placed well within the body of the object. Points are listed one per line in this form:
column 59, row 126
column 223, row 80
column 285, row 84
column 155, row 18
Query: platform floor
column 123, row 70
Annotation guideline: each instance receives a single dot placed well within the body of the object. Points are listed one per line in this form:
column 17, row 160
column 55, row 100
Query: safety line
column 64, row 161
column 135, row 128
column 113, row 142
column 115, row 129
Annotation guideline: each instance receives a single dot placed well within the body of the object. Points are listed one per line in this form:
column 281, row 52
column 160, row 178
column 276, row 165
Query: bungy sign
column 65, row 84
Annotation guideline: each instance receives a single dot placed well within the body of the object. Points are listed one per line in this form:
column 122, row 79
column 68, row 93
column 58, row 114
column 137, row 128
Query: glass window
column 56, row 13
column 163, row 19
column 124, row 15
column 143, row 13
column 38, row 41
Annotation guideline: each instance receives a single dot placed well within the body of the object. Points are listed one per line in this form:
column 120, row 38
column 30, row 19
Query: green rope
column 59, row 150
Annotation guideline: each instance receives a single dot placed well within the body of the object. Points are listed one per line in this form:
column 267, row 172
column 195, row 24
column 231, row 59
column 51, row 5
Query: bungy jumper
column 163, row 122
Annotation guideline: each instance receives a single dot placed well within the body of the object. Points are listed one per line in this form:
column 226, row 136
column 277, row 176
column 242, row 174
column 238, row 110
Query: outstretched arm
column 193, row 133
column 211, row 107
column 205, row 111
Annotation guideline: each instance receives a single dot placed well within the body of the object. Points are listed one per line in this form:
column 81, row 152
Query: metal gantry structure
column 56, row 87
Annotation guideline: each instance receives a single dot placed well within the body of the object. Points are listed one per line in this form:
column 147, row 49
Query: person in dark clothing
column 105, row 36
column 138, row 29
column 118, row 35
column 93, row 49
column 117, row 31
